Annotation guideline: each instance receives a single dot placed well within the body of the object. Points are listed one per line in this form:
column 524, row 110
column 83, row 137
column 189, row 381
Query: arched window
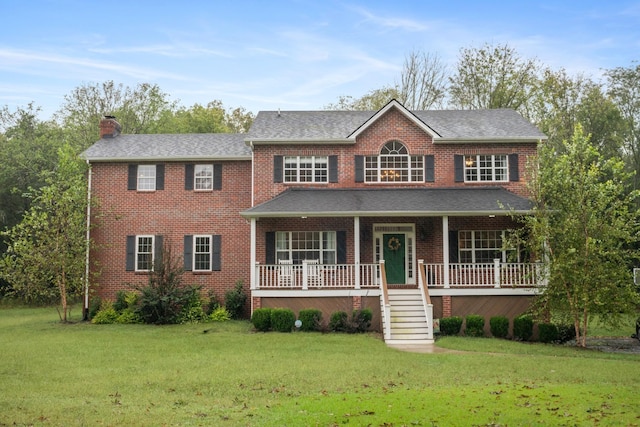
column 394, row 164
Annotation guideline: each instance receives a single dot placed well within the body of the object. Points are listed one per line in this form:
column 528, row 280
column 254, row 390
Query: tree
column 200, row 119
column 423, row 81
column 624, row 88
column 584, row 227
column 493, row 77
column 371, row 101
column 563, row 101
column 28, row 146
column 137, row 109
column 45, row 259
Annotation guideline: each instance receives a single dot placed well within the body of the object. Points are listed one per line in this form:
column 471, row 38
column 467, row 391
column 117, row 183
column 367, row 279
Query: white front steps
column 408, row 320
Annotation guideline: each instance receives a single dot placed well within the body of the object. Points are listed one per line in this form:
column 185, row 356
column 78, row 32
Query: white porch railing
column 496, row 274
column 360, row 276
column 316, row 276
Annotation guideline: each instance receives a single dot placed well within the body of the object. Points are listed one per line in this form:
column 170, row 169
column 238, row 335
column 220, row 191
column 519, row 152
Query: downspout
column 85, row 311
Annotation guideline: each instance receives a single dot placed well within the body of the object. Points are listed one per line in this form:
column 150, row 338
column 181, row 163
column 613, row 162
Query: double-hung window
column 146, row 177
column 144, row 253
column 394, row 164
column 306, row 169
column 486, row 168
column 201, row 253
column 484, row 246
column 203, row 177
column 298, row 246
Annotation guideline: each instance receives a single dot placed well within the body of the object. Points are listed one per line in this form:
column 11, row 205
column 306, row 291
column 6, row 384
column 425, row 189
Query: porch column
column 445, row 249
column 253, row 254
column 356, row 249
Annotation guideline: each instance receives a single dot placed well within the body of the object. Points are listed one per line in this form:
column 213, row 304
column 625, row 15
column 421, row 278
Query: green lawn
column 111, row 375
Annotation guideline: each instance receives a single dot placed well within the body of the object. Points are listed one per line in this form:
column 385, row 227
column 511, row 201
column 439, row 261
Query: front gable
column 394, row 105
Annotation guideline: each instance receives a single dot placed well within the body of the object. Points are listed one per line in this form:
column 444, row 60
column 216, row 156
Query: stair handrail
column 386, row 307
column 426, row 298
column 422, row 282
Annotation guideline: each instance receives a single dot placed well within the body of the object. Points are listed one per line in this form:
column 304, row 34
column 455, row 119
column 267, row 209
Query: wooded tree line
column 579, row 114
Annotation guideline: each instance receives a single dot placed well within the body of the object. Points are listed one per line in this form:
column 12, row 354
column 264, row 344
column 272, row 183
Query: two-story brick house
column 329, row 209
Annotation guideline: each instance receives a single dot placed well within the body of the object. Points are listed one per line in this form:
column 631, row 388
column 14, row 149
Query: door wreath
column 393, row 243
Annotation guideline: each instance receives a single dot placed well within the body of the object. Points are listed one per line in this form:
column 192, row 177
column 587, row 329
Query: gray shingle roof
column 498, row 124
column 391, row 202
column 195, row 146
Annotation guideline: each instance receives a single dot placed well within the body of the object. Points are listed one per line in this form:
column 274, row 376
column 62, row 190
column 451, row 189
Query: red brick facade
column 175, row 212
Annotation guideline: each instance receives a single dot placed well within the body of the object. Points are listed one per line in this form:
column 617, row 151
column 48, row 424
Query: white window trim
column 138, row 177
column 321, row 249
column 195, row 177
column 195, row 253
column 380, row 171
column 493, row 168
column 314, row 162
column 153, row 242
column 503, row 252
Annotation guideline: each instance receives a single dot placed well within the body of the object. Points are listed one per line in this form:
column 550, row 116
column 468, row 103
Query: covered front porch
column 380, row 243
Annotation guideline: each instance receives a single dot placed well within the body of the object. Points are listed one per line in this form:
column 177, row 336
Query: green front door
column 394, row 250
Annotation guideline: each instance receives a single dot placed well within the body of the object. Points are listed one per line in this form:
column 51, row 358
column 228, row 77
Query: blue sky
column 298, row 54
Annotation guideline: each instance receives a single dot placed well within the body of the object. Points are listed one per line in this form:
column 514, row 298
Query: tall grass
column 225, row 374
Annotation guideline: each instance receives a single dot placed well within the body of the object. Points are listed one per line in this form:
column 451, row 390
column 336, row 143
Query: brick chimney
column 109, row 127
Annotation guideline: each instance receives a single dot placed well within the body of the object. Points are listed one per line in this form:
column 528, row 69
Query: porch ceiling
column 364, row 202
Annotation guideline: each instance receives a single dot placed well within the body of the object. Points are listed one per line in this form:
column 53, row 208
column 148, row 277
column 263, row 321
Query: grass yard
column 112, row 375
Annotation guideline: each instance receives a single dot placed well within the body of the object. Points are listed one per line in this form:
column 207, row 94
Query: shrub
column 311, row 319
column 94, row 306
column 566, row 333
column 220, row 314
column 360, row 320
column 106, row 315
column 474, row 325
column 548, row 332
column 128, row 316
column 164, row 298
column 120, row 303
column 211, row 303
column 338, row 321
column 261, row 319
column 499, row 326
column 523, row 327
column 235, row 299
column 282, row 319
column 192, row 308
column 450, row 325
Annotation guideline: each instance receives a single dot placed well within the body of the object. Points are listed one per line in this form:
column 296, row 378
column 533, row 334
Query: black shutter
column 270, row 247
column 188, row 176
column 453, row 246
column 458, row 166
column 217, row 176
column 158, row 252
column 132, row 179
column 514, row 172
column 333, row 168
column 188, row 253
column 341, row 247
column 159, row 177
column 359, row 168
column 216, row 252
column 131, row 253
column 278, row 164
column 429, row 168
